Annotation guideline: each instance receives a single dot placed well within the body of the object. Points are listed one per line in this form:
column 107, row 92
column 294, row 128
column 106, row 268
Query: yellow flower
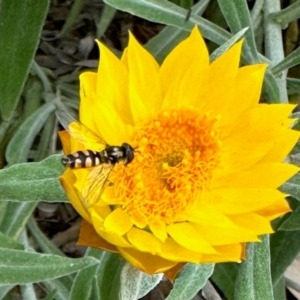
column 208, row 157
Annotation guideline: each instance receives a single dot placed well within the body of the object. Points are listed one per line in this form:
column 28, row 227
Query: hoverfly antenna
column 135, row 149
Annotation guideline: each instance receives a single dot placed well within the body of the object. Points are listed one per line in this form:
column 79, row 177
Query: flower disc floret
column 177, row 154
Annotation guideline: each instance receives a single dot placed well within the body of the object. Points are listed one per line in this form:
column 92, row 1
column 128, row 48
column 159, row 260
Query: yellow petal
column 282, row 146
column 144, row 88
column 186, row 235
column 233, row 201
column 175, row 252
column 118, row 222
column 245, row 147
column 146, row 262
column 111, row 74
column 67, row 181
column 226, row 253
column 254, row 222
column 88, row 96
column 139, row 220
column 264, row 175
column 247, row 86
column 65, row 140
column 88, row 84
column 110, row 237
column 170, row 250
column 184, row 67
column 144, row 241
column 103, row 211
column 172, row 273
column 275, row 210
column 159, row 229
column 111, row 110
column 220, row 235
column 203, row 213
column 218, row 85
column 89, row 237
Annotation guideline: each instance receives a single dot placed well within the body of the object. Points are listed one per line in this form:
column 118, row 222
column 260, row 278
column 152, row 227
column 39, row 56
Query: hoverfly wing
column 95, row 184
column 80, row 132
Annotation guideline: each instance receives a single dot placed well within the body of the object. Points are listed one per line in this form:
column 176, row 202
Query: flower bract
column 208, row 157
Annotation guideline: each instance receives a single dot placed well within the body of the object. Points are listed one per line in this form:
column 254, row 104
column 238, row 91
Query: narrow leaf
column 244, row 288
column 272, row 88
column 165, row 12
column 292, row 186
column 224, row 277
column 279, row 290
column 51, row 295
column 108, row 275
column 293, row 59
column 263, row 288
column 292, row 221
column 21, row 267
column 293, row 86
column 16, row 217
column 72, row 16
column 4, row 289
column 238, row 17
column 219, row 51
column 287, row 15
column 108, row 13
column 254, row 276
column 58, row 285
column 32, row 182
column 273, row 45
column 20, row 144
column 82, row 287
column 190, row 280
column 9, row 243
column 136, row 284
column 285, row 247
column 44, row 244
column 18, row 47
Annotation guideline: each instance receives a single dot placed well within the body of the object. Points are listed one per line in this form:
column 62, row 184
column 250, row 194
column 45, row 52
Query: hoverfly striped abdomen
column 110, row 155
column 82, row 159
column 101, row 158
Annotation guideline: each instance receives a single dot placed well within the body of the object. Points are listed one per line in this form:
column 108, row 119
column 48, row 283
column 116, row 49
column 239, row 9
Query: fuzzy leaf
column 285, row 247
column 20, row 144
column 224, row 277
column 293, row 59
column 32, row 182
column 83, row 284
column 21, row 267
column 108, row 276
column 254, row 276
column 9, row 243
column 190, row 280
column 292, row 187
column 165, row 12
column 291, row 221
column 136, row 284
column 20, row 35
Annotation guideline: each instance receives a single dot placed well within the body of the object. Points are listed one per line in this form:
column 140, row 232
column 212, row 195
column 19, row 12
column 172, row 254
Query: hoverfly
column 101, row 156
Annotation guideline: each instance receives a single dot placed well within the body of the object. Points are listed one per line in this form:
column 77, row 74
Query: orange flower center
column 177, row 154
